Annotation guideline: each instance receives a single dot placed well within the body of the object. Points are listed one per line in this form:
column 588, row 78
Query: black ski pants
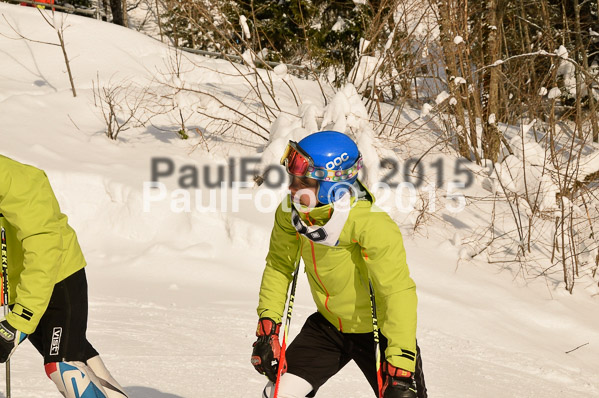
column 320, row 351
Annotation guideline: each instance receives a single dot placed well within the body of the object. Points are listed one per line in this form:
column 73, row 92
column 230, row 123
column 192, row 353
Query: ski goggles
column 298, row 163
column 296, row 160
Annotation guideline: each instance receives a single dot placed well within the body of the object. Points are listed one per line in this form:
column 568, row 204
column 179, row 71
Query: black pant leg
column 317, row 352
column 419, row 375
column 363, row 354
column 61, row 333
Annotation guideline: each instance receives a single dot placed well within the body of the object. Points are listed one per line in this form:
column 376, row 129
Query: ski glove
column 10, row 338
column 398, row 383
column 267, row 350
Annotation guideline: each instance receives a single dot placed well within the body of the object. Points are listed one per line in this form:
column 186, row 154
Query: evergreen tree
column 321, row 33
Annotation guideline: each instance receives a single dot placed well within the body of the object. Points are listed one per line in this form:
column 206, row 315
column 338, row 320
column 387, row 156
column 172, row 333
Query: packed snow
column 173, row 292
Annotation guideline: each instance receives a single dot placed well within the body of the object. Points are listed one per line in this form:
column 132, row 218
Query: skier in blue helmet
column 355, row 261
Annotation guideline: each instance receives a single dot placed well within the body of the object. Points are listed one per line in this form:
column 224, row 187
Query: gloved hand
column 267, row 350
column 397, row 383
column 10, row 338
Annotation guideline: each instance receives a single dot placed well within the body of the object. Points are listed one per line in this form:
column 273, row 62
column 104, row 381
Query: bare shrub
column 121, row 105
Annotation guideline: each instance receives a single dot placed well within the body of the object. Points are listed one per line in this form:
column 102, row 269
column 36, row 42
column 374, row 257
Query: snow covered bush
column 544, row 179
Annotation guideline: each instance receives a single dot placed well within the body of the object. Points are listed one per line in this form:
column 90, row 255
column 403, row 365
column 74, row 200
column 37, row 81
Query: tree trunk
column 105, row 6
column 158, row 18
column 585, row 65
column 125, row 16
column 448, row 11
column 491, row 79
column 116, row 8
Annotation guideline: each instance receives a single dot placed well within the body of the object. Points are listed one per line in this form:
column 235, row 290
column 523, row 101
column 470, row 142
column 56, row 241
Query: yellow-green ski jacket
column 370, row 246
column 42, row 248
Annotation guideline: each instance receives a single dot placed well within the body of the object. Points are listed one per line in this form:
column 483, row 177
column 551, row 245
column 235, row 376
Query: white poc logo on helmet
column 337, row 161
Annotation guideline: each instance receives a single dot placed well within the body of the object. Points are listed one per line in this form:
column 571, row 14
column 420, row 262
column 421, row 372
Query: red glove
column 398, row 383
column 267, row 350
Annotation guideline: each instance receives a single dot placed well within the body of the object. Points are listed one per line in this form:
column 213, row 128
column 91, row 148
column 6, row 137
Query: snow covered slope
column 173, row 295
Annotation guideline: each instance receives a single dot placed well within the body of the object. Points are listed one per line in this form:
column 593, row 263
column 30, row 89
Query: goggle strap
column 335, row 175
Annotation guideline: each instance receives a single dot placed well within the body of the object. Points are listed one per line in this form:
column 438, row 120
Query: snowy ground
column 173, row 295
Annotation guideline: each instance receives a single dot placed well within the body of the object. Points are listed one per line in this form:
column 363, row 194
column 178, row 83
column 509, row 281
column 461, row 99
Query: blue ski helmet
column 336, row 161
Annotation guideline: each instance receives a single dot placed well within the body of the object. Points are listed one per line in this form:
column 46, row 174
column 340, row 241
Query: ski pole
column 287, row 322
column 375, row 329
column 5, row 297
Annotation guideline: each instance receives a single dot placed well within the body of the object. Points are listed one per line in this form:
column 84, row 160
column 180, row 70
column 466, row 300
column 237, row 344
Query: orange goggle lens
column 296, row 162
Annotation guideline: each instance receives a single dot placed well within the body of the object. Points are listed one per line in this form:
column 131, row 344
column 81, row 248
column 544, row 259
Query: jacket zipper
column 326, row 301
